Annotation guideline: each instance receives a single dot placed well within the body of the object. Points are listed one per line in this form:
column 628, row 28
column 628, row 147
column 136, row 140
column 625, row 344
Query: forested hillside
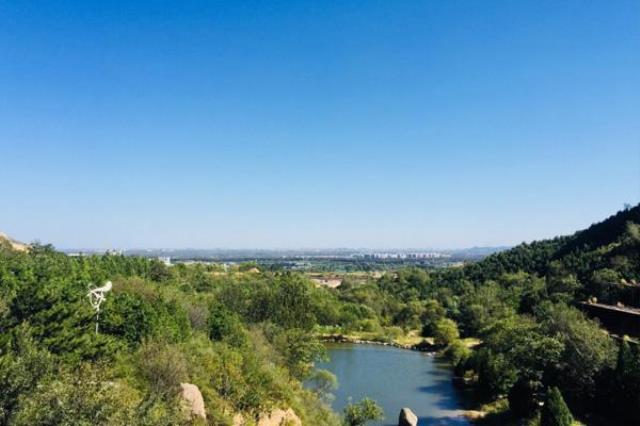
column 248, row 339
column 608, row 244
column 522, row 304
column 242, row 338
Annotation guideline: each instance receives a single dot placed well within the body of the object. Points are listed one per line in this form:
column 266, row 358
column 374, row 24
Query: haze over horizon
column 252, row 125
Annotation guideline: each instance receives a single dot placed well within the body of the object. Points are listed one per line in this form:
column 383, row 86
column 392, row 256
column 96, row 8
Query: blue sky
column 316, row 124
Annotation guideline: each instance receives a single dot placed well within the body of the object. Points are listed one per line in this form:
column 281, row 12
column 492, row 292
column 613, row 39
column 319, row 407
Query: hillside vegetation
column 248, row 339
column 522, row 304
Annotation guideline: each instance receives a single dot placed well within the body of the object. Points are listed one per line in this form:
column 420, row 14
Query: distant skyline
column 224, row 124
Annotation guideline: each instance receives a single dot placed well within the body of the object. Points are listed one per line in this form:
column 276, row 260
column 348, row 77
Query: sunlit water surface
column 395, row 378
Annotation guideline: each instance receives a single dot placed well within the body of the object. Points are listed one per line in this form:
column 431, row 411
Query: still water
column 395, row 378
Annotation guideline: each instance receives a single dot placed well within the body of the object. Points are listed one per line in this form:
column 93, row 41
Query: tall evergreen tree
column 555, row 411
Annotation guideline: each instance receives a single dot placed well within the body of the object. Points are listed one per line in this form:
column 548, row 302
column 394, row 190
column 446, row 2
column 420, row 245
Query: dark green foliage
column 158, row 271
column 59, row 316
column 496, row 373
column 154, row 334
column 432, row 313
column 21, row 367
column 520, row 303
column 587, row 351
column 523, row 397
column 620, row 388
column 408, row 284
column 133, row 317
column 555, row 412
column 225, row 325
column 247, row 338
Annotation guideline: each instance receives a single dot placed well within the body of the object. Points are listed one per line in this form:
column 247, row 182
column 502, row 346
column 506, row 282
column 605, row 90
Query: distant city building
column 403, row 255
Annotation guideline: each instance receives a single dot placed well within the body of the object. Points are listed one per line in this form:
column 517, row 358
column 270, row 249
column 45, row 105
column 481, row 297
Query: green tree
column 555, row 411
column 225, row 325
column 323, row 382
column 432, row 313
column 587, row 350
column 446, row 332
column 300, row 350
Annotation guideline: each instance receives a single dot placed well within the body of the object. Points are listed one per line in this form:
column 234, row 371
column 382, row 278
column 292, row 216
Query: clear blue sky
column 316, row 124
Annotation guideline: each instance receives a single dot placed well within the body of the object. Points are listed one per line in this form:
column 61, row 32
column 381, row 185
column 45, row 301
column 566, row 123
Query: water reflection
column 396, row 378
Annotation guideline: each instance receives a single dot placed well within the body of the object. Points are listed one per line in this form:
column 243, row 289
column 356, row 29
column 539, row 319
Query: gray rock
column 407, row 418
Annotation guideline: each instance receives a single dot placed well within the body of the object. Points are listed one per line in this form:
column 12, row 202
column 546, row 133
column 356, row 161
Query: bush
column 83, row 397
column 458, row 352
column 163, row 368
column 362, row 412
column 389, row 334
column 368, row 325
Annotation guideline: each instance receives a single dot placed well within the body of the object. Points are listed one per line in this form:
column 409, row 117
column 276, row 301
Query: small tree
column 362, row 412
column 225, row 325
column 446, row 331
column 323, row 382
column 555, row 411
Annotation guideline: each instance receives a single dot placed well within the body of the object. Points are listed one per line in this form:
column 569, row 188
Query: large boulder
column 193, row 400
column 407, row 418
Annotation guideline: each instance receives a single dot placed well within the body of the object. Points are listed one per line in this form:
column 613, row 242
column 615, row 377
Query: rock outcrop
column 407, row 418
column 238, row 420
column 276, row 417
column 13, row 244
column 193, row 400
column 280, row 417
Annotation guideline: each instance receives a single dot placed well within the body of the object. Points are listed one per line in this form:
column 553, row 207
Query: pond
column 396, row 378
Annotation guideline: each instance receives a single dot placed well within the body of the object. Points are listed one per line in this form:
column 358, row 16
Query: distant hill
column 476, row 252
column 6, row 241
column 613, row 244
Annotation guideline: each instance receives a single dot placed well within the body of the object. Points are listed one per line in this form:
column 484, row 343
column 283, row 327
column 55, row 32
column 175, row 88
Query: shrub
column 458, row 352
column 368, row 325
column 362, row 412
column 323, row 382
column 82, row 397
column 163, row 368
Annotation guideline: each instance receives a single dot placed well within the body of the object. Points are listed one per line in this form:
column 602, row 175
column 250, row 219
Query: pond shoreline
column 432, row 350
column 420, row 347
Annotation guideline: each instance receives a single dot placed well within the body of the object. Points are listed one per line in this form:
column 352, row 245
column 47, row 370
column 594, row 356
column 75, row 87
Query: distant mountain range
column 471, row 253
column 220, row 254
